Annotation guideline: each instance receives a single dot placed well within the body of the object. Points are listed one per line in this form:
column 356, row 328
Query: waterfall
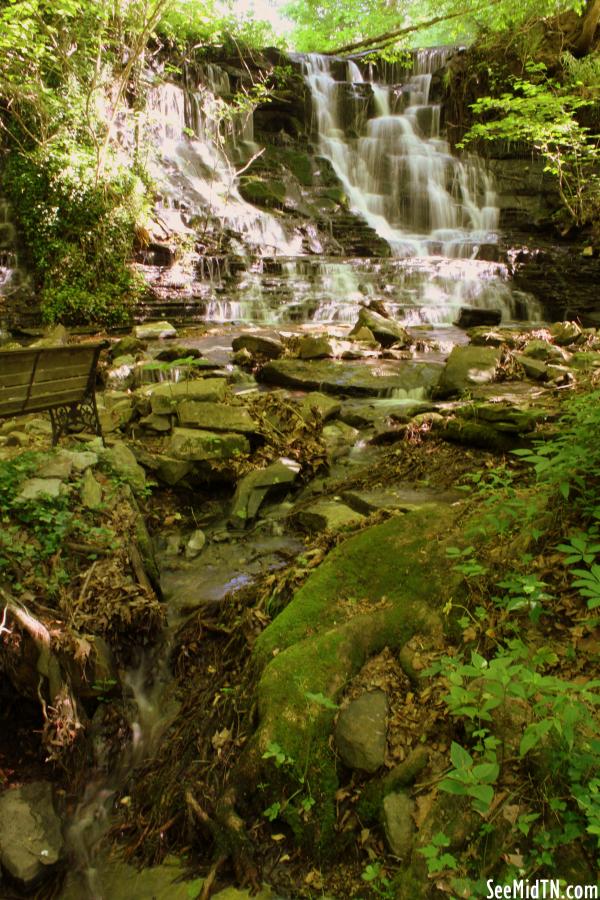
column 398, row 172
column 193, row 165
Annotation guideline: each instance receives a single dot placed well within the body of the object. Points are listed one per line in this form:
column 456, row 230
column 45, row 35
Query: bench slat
column 44, row 374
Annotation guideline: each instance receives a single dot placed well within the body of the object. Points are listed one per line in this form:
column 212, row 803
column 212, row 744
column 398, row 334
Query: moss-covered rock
column 376, row 590
column 263, row 193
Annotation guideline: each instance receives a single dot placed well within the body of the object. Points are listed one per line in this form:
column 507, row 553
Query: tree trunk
column 589, row 24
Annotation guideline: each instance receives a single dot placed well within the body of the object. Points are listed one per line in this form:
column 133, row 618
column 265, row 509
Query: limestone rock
column 55, row 337
column 115, row 410
column 255, row 486
column 154, row 331
column 361, row 732
column 195, row 445
column 121, row 459
column 80, row 459
column 396, row 499
column 121, row 375
column 154, row 422
column 467, row 367
column 165, row 397
column 57, row 466
column 535, row 369
column 325, row 407
column 215, row 417
column 315, row 347
column 195, row 544
column 537, row 349
column 258, row 345
column 339, row 438
column 402, row 379
column 31, row 842
column 386, row 331
column 35, row 488
column 38, row 426
column 178, row 351
column 327, row 515
column 398, row 823
column 564, row 333
column 90, row 491
column 473, row 316
column 127, row 345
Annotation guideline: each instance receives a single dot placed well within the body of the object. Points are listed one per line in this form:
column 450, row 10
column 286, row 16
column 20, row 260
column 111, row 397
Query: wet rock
column 535, row 369
column 151, row 331
column 537, row 349
column 323, row 406
column 327, row 515
column 126, row 346
column 477, row 434
column 122, row 374
column 315, row 347
column 467, row 367
column 473, row 316
column 178, row 351
column 165, row 397
column 124, row 464
column 195, row 544
column 361, row 732
column 385, row 331
column 31, row 842
column 492, row 337
column 35, row 488
column 254, row 488
column 564, row 333
column 215, row 417
column 365, row 336
column 154, row 422
column 398, row 824
column 55, row 337
column 503, row 416
column 402, row 379
column 194, row 445
column 90, row 491
column 258, row 345
column 339, row 439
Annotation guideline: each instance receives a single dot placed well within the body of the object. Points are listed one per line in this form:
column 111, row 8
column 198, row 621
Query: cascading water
column 194, row 173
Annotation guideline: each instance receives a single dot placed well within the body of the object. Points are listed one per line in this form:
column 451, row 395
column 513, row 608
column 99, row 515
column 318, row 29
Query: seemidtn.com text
column 541, row 889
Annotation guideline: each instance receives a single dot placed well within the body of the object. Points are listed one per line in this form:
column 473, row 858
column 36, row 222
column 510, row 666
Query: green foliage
column 374, row 875
column 209, row 24
column 435, row 856
column 542, row 112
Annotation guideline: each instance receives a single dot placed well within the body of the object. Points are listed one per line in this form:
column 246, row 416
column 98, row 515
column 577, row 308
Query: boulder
column 361, row 732
column 194, row 445
column 316, row 347
column 357, row 379
column 339, row 439
column 154, row 422
column 31, row 842
column 126, row 346
column 57, row 466
column 467, row 367
column 215, row 417
column 258, row 345
column 255, row 487
column 178, row 351
column 81, row 459
column 151, row 331
column 537, row 349
column 385, row 331
column 165, row 397
column 473, row 316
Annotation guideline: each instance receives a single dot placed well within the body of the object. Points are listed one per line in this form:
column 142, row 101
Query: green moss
column 324, row 637
column 262, row 193
column 400, row 560
column 299, row 165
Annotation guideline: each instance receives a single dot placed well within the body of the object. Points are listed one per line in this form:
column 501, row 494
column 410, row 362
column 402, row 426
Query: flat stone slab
column 195, row 445
column 327, row 515
column 155, row 331
column 383, row 378
column 215, row 417
column 258, row 344
column 165, row 397
column 34, row 488
column 397, row 499
column 254, row 487
column 325, row 407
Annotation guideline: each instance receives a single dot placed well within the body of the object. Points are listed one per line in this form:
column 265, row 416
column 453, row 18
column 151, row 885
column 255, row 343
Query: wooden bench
column 60, row 380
